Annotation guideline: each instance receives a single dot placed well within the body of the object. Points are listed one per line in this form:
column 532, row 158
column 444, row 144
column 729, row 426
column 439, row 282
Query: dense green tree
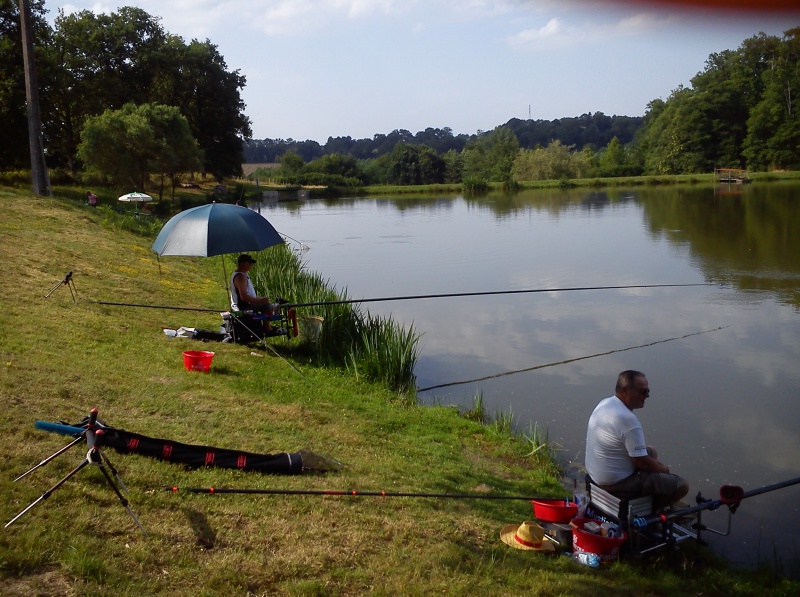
column 413, row 164
column 209, row 96
column 667, row 134
column 453, row 166
column 377, row 170
column 773, row 139
column 554, row 162
column 128, row 145
column 291, row 164
column 335, row 169
column 102, row 61
column 735, row 113
column 492, row 156
column 614, row 155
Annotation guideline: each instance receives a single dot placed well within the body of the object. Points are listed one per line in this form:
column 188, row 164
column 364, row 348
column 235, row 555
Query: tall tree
column 108, row 60
column 103, row 61
column 773, row 138
column 613, row 158
column 209, row 96
column 12, row 89
column 128, row 145
column 413, row 164
column 14, row 150
column 39, row 175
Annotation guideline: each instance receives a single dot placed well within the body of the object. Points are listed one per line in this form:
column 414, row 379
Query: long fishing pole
column 730, row 495
column 154, row 306
column 492, row 293
column 591, row 356
column 417, row 296
column 352, row 493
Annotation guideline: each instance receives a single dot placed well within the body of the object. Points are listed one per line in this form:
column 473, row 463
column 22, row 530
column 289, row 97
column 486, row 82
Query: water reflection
column 722, row 360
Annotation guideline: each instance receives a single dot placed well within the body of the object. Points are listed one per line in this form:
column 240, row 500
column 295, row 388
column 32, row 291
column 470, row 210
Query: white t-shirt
column 235, row 295
column 613, row 437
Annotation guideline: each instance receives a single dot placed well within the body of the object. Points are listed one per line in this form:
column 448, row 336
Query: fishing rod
column 303, row 246
column 564, row 362
column 491, row 293
column 352, row 493
column 154, row 306
column 416, row 297
column 730, row 495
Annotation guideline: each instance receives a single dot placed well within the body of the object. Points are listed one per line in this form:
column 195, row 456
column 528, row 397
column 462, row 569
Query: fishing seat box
column 247, row 328
column 622, row 511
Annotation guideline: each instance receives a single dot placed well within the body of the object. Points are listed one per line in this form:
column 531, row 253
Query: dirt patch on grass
column 46, row 583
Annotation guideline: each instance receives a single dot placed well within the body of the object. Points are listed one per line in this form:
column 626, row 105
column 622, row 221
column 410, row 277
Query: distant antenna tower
column 529, row 111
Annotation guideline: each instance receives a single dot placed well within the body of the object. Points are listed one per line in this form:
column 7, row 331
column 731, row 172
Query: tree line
column 89, row 64
column 741, row 111
column 594, row 130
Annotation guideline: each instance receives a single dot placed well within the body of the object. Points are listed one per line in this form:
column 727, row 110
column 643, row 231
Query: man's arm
column 648, row 463
column 635, row 444
column 240, row 281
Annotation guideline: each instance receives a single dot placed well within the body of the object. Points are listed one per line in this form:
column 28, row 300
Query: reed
column 478, row 410
column 538, row 438
column 376, row 348
column 503, row 422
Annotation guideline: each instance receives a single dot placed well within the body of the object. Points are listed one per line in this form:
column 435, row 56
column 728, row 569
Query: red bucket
column 197, row 360
column 606, row 548
column 558, row 511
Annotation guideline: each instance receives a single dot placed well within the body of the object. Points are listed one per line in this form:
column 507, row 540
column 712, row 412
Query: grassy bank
column 60, row 358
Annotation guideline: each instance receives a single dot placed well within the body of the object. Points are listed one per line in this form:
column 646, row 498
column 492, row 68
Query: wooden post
column 39, row 174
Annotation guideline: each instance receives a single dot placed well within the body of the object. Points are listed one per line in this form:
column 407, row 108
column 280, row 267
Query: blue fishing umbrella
column 215, row 229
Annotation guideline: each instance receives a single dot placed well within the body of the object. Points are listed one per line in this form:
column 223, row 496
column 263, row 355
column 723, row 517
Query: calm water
column 723, row 360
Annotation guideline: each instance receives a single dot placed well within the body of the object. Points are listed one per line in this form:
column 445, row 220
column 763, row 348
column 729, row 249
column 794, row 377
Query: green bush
column 474, row 184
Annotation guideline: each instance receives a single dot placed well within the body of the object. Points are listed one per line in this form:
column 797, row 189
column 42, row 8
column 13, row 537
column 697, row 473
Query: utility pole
column 41, row 179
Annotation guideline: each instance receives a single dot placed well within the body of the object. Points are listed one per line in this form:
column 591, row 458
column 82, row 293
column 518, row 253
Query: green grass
column 60, row 358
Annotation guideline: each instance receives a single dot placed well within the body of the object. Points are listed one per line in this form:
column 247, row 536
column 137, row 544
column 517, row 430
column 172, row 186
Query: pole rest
column 92, row 433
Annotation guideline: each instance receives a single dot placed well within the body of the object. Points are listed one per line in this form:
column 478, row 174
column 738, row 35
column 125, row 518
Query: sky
column 335, row 68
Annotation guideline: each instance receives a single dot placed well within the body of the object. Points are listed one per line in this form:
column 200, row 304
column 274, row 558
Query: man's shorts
column 645, row 483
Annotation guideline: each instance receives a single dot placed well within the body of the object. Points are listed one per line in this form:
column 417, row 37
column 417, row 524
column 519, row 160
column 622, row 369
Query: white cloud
column 553, row 29
column 559, row 32
column 644, row 22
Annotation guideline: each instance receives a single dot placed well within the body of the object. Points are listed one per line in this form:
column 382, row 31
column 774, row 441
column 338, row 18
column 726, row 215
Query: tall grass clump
column 478, row 411
column 474, row 184
column 374, row 347
column 385, row 352
column 143, row 225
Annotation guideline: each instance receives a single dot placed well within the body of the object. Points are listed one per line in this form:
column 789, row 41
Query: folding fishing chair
column 245, row 327
column 622, row 512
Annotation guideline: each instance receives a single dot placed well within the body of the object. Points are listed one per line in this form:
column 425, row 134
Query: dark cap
column 245, row 258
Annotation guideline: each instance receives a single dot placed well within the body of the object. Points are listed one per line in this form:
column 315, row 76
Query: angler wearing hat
column 617, row 457
column 244, row 297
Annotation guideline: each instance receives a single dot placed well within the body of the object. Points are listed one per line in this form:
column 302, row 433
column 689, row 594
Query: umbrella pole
column 225, row 276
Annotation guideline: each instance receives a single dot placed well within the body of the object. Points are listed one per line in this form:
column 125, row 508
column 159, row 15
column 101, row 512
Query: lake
column 722, row 357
